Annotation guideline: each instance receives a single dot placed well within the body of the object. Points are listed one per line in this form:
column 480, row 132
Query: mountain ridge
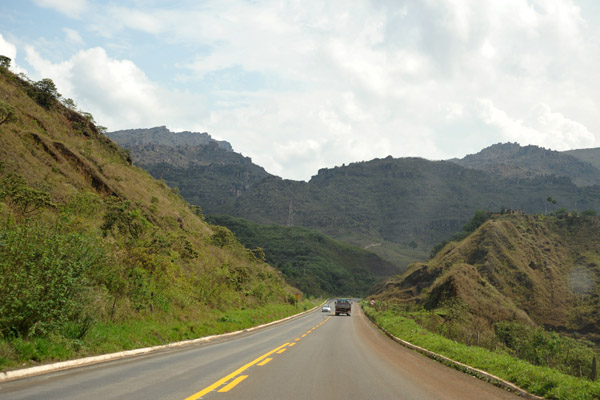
column 361, row 203
column 514, row 160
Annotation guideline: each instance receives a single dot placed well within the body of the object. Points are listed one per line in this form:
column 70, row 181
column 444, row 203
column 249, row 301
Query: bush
column 43, row 276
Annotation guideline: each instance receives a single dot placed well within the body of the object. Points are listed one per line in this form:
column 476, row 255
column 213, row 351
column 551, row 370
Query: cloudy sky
column 300, row 85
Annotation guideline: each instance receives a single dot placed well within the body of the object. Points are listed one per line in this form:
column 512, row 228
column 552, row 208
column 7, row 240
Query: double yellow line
column 235, row 373
column 262, row 360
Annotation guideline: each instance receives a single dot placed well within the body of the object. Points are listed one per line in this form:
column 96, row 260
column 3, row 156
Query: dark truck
column 343, row 306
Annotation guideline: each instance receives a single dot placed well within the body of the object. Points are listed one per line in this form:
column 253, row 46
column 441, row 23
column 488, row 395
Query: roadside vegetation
column 97, row 256
column 513, row 294
column 500, row 356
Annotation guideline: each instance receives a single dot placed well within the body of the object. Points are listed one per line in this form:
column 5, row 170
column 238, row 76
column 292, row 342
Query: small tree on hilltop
column 5, row 62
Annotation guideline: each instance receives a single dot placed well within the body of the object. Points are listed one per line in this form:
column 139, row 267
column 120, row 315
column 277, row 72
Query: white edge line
column 43, row 369
column 511, row 387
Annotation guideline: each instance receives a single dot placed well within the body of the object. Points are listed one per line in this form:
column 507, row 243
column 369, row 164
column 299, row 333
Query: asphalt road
column 317, row 356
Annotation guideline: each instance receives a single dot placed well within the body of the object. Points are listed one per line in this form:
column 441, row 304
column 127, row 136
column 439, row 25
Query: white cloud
column 299, row 85
column 72, row 36
column 71, row 8
column 7, row 49
column 543, row 127
column 116, row 92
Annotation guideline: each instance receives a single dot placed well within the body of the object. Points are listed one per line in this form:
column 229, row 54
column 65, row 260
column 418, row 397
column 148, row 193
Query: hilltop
column 532, row 270
column 514, row 161
column 207, row 172
column 160, row 135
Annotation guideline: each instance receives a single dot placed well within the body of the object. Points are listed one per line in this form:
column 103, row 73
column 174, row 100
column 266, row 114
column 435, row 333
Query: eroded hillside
column 535, row 270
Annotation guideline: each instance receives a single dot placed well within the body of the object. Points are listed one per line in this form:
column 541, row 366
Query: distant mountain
column 534, row 271
column 206, row 172
column 398, row 208
column 401, row 208
column 591, row 156
column 162, row 136
column 514, row 161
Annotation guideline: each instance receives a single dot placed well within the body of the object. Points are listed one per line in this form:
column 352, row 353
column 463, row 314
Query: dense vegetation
column 91, row 244
column 311, row 261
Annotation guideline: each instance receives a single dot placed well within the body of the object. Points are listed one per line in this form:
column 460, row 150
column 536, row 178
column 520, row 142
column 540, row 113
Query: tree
column 44, row 92
column 5, row 62
column 549, row 200
column 69, row 103
column 7, row 113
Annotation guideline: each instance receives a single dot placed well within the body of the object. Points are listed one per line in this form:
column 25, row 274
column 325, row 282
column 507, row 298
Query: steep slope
column 515, row 161
column 541, row 271
column 76, row 215
column 311, row 261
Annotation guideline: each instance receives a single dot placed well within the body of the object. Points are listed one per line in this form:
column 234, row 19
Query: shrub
column 43, row 275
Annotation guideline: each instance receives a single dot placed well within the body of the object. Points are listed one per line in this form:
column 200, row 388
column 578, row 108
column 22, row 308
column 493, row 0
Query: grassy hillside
column 311, row 261
column 515, row 282
column 534, row 269
column 88, row 242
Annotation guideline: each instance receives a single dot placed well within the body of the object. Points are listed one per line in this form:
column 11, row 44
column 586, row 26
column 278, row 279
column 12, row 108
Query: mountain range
column 399, row 208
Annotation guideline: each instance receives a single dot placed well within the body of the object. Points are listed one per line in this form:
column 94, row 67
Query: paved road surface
column 318, row 356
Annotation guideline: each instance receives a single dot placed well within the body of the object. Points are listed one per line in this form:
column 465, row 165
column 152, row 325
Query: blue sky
column 299, row 85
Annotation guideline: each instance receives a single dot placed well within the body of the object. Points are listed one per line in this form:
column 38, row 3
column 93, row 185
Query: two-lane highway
column 317, row 356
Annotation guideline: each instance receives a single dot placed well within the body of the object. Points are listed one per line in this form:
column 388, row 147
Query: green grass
column 538, row 380
column 106, row 337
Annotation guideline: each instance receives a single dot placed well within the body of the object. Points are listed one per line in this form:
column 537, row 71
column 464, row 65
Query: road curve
column 317, row 356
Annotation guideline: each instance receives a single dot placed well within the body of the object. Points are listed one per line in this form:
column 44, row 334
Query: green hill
column 311, row 261
column 90, row 242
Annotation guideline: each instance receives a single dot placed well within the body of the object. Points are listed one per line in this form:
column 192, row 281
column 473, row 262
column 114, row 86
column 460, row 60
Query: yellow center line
column 266, row 360
column 292, row 344
column 233, row 383
column 281, row 351
column 296, row 339
column 233, row 374
column 304, row 335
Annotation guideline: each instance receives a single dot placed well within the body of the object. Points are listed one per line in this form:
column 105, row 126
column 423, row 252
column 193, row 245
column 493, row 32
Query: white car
column 326, row 308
